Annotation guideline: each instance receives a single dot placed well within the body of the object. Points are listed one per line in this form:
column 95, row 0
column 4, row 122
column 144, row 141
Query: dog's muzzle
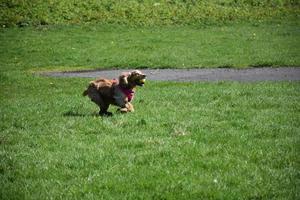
column 142, row 81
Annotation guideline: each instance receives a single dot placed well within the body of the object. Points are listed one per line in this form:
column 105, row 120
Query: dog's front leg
column 119, row 100
column 128, row 107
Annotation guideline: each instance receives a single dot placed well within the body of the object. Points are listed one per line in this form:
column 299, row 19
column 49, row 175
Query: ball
column 142, row 81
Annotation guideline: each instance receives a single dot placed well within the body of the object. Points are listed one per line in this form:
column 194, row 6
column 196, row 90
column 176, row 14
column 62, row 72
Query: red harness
column 129, row 93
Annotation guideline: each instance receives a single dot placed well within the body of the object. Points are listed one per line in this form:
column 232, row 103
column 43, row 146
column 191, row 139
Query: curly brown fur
column 105, row 92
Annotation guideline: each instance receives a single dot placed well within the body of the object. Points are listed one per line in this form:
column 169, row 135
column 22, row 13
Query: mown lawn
column 274, row 43
column 222, row 140
column 185, row 141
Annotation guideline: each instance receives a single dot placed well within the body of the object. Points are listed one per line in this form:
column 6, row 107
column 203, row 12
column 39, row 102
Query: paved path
column 218, row 74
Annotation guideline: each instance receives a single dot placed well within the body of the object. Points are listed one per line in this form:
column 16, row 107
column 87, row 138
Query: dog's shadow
column 77, row 114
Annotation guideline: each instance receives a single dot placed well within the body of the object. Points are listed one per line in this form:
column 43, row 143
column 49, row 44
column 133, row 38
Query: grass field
column 219, row 141
column 222, row 140
column 142, row 12
column 274, row 43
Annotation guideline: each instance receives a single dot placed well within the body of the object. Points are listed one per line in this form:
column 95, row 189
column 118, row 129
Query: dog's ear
column 136, row 72
column 123, row 79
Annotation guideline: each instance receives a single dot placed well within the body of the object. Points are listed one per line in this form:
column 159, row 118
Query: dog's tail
column 85, row 92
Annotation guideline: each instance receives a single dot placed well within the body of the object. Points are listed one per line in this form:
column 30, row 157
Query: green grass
column 223, row 140
column 142, row 12
column 275, row 43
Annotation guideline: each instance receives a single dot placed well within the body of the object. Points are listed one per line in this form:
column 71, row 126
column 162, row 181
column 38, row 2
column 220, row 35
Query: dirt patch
column 217, row 74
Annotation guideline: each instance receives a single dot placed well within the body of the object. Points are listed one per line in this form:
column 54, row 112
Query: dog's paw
column 105, row 114
column 129, row 107
column 122, row 110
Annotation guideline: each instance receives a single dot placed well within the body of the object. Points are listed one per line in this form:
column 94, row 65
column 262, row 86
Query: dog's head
column 136, row 77
column 132, row 79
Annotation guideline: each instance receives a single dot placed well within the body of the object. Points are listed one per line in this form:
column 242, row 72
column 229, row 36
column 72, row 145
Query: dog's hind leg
column 97, row 99
column 103, row 110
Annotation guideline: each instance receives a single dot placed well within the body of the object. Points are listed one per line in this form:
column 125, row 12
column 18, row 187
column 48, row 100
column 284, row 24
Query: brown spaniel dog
column 120, row 92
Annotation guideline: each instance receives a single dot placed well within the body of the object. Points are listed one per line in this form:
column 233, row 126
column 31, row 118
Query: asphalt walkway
column 216, row 74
